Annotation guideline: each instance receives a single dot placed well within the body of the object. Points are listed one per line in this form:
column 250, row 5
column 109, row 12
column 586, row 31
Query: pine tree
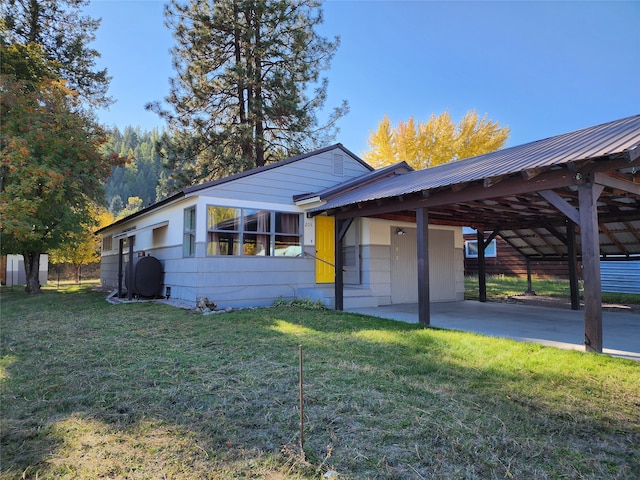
column 242, row 94
column 142, row 172
column 64, row 35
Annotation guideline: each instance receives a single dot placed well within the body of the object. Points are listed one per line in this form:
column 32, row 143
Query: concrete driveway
column 548, row 326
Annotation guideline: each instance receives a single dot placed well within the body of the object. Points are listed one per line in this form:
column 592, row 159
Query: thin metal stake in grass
column 301, row 405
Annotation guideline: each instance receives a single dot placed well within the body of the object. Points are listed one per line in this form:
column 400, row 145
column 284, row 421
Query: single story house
column 246, row 240
column 397, row 233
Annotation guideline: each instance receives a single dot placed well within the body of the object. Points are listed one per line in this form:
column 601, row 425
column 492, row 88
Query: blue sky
column 542, row 68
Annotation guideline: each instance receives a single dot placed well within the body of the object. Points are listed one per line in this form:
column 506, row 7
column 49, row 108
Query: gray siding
column 376, row 271
column 227, row 281
column 279, row 185
column 109, row 271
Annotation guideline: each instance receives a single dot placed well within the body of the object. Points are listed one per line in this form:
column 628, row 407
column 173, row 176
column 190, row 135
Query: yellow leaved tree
column 83, row 247
column 437, row 141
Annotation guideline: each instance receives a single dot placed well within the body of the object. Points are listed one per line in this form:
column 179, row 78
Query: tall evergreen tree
column 64, row 35
column 243, row 95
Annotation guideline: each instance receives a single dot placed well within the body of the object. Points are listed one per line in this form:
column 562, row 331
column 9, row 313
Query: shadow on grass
column 144, row 390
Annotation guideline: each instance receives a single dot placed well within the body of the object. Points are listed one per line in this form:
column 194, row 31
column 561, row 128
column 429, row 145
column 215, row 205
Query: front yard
column 142, row 390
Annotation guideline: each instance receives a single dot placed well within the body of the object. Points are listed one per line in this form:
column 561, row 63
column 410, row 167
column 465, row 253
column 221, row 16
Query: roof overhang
column 526, row 193
column 136, row 231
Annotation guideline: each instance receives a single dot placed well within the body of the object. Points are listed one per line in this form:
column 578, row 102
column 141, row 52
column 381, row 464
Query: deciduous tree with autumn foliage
column 437, row 141
column 51, row 168
column 83, row 247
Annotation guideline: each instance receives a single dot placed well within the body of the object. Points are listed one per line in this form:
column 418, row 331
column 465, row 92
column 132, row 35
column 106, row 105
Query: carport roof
column 520, row 191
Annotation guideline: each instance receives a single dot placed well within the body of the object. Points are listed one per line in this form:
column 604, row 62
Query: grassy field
column 501, row 287
column 141, row 390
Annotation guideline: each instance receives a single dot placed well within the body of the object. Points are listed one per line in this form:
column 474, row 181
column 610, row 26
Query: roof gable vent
column 338, row 164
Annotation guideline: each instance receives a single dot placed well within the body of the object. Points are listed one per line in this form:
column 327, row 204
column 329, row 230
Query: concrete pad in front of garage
column 547, row 326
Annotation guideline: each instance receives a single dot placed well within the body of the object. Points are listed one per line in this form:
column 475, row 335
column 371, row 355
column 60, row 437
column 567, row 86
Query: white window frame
column 471, row 252
column 189, row 234
column 241, row 231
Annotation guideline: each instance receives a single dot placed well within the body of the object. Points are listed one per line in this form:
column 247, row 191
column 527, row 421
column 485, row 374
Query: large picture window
column 253, row 232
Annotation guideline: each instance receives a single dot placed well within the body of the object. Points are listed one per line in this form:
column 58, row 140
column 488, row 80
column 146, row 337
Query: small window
column 189, row 239
column 287, row 238
column 107, row 243
column 223, row 225
column 471, row 249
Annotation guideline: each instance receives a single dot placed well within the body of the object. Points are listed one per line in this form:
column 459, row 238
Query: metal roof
column 196, row 188
column 510, row 191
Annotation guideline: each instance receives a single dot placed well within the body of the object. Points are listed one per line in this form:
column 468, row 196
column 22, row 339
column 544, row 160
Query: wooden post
column 301, row 400
column 587, row 198
column 339, row 273
column 530, row 290
column 482, row 269
column 573, row 265
column 422, row 223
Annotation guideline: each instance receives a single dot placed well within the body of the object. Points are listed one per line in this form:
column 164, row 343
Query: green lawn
column 501, row 287
column 142, row 390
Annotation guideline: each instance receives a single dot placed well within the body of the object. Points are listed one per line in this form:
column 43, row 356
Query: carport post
column 588, row 194
column 422, row 224
column 482, row 269
column 130, row 273
column 341, row 227
column 573, row 265
column 530, row 290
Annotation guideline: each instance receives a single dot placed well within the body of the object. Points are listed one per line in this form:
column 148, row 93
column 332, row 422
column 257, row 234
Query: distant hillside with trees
column 142, row 181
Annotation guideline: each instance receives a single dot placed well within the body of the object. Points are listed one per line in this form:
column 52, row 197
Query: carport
column 572, row 197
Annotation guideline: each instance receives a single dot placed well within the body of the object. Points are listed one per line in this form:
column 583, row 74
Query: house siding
column 242, row 281
column 279, row 185
column 376, row 271
column 376, row 259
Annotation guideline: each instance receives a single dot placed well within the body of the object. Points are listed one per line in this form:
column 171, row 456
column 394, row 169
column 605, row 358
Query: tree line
column 142, row 178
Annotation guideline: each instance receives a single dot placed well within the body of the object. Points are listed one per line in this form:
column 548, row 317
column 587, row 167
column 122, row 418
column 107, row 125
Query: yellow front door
column 325, row 249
